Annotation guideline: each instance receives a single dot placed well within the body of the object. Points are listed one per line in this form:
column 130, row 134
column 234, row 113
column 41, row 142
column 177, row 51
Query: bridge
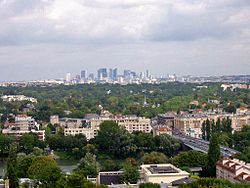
column 202, row 145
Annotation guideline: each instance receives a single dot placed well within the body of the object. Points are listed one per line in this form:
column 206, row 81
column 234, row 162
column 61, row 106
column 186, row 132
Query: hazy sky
column 48, row 38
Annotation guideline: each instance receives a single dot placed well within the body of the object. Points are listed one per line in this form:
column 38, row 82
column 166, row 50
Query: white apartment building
column 234, row 170
column 161, row 173
column 90, row 126
column 10, row 98
column 89, row 133
column 54, row 119
column 19, row 133
column 191, row 124
column 23, row 124
column 134, row 123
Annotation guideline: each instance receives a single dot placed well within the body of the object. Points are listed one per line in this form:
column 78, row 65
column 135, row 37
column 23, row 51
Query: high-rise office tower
column 133, row 74
column 68, row 77
column 102, row 73
column 147, row 73
column 78, row 78
column 115, row 74
column 91, row 76
column 126, row 74
column 83, row 74
column 110, row 73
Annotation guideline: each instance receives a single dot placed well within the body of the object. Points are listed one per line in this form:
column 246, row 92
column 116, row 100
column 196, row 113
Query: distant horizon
column 155, row 76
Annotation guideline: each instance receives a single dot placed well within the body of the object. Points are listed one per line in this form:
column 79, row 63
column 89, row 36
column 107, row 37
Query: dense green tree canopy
column 114, row 139
column 45, row 170
column 154, row 158
column 88, row 166
column 122, row 99
column 131, row 173
column 190, row 159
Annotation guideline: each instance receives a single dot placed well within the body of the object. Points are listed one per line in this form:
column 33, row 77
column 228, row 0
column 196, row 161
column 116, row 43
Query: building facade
column 191, row 124
column 233, row 170
column 90, row 125
column 161, row 173
column 23, row 125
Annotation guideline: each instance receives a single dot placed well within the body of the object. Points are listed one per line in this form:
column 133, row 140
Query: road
column 202, row 145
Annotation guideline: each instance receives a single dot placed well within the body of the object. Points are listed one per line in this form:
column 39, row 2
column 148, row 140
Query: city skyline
column 47, row 38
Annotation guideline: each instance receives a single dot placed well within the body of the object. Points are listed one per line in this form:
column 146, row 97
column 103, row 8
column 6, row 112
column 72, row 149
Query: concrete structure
column 133, row 123
column 102, row 73
column 90, row 124
column 19, row 133
column 11, row 98
column 234, row 170
column 89, row 133
column 54, row 119
column 161, row 173
column 190, row 124
column 68, row 77
column 23, row 124
column 202, row 145
column 161, row 130
column 84, row 74
column 109, row 178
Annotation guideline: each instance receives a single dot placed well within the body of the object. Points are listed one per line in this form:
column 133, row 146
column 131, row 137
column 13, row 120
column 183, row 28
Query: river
column 2, row 168
column 65, row 165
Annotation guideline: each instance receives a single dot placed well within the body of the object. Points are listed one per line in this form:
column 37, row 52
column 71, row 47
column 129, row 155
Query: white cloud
column 134, row 24
column 119, row 20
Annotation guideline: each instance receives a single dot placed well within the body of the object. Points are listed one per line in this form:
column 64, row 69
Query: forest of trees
column 118, row 99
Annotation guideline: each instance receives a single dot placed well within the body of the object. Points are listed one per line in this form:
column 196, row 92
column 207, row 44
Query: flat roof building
column 161, row 173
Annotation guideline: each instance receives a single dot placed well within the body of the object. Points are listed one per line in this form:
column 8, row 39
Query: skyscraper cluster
column 109, row 75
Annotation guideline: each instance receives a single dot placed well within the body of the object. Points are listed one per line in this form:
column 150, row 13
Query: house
column 234, row 170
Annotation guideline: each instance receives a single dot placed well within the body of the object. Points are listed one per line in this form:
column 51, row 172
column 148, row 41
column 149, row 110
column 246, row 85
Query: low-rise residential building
column 19, row 133
column 166, row 175
column 23, row 124
column 161, row 173
column 10, row 98
column 89, row 125
column 89, row 133
column 109, row 178
column 161, row 130
column 54, row 119
column 191, row 124
column 234, row 170
column 133, row 123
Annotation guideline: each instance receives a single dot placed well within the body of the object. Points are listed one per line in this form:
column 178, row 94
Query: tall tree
column 190, row 159
column 23, row 163
column 213, row 127
column 213, row 155
column 218, row 125
column 167, row 144
column 229, row 128
column 203, row 130
column 208, row 130
column 131, row 173
column 224, row 125
column 11, row 166
column 45, row 170
column 115, row 140
column 88, row 166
